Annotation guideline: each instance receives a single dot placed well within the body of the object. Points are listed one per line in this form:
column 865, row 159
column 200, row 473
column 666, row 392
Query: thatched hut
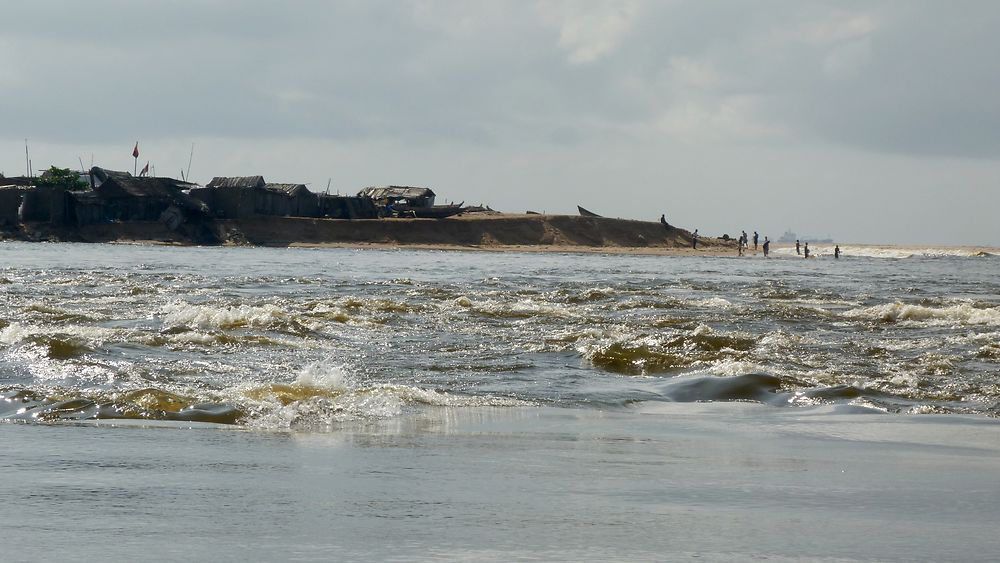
column 346, row 207
column 128, row 198
column 11, row 197
column 414, row 196
column 43, row 204
column 239, row 197
column 85, row 207
column 231, row 197
column 292, row 200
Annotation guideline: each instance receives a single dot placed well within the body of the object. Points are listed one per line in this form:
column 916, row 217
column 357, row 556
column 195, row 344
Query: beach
column 498, row 232
column 495, row 231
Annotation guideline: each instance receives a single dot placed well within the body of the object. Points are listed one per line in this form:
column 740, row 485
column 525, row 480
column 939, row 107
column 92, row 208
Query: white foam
column 325, row 375
column 711, row 302
column 15, row 333
column 205, row 316
column 734, row 367
column 522, row 308
column 894, row 252
column 334, row 395
column 781, row 340
column 962, row 313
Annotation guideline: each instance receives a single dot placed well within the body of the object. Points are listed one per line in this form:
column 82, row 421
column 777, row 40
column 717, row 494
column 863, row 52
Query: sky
column 868, row 122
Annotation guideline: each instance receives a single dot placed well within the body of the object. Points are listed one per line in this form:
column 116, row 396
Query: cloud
column 589, row 31
column 906, row 78
column 580, row 97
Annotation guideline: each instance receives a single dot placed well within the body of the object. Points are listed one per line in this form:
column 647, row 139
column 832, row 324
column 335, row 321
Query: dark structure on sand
column 64, row 205
column 244, row 197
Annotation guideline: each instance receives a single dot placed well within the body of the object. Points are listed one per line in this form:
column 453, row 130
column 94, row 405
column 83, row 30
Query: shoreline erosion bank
column 486, row 233
column 529, row 232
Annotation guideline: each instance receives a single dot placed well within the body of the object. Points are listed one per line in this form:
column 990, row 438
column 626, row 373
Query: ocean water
column 324, row 404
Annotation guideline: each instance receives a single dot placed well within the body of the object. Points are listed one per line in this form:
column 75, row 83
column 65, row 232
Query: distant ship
column 789, row 236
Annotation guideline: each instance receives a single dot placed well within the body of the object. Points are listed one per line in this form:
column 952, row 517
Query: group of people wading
column 743, row 244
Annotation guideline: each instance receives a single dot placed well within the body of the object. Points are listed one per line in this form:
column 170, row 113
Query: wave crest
column 660, row 354
column 963, row 313
column 227, row 318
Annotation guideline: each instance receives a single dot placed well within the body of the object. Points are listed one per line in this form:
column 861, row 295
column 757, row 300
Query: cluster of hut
column 103, row 196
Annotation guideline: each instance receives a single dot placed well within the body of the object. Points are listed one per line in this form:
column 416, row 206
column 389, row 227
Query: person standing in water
column 767, row 244
column 807, row 250
column 836, row 251
column 755, row 241
column 694, row 240
column 797, row 247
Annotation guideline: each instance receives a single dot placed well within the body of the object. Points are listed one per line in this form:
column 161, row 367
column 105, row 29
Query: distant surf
column 892, row 251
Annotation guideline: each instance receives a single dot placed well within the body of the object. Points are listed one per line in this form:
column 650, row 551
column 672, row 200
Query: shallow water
column 672, row 481
column 307, row 338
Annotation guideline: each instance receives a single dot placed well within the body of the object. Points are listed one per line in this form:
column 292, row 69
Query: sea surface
column 324, row 404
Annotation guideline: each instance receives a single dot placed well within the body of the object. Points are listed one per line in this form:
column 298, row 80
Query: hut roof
column 396, row 192
column 103, row 174
column 291, row 190
column 16, row 181
column 116, row 184
column 236, row 182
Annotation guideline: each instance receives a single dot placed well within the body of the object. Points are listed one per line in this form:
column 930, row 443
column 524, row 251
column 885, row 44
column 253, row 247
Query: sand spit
column 494, row 232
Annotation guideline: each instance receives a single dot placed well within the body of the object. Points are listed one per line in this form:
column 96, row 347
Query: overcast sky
column 864, row 121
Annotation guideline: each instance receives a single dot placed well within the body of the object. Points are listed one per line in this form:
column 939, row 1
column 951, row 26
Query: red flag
column 145, row 169
column 135, row 151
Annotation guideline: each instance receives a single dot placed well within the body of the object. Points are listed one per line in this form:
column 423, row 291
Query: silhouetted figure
column 755, row 241
column 663, row 221
column 767, row 245
column 836, row 251
column 807, row 250
column 739, row 247
column 797, row 250
column 694, row 240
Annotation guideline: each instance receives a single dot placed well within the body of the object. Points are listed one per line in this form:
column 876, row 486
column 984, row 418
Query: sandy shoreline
column 558, row 249
column 479, row 233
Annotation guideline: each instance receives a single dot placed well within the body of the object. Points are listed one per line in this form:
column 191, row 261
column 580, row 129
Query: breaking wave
column 961, row 313
column 234, row 317
column 666, row 353
column 142, row 404
column 58, row 343
column 894, row 252
column 324, row 394
column 321, row 396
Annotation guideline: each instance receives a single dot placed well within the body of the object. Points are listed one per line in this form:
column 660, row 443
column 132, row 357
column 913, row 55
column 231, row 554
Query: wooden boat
column 586, row 212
